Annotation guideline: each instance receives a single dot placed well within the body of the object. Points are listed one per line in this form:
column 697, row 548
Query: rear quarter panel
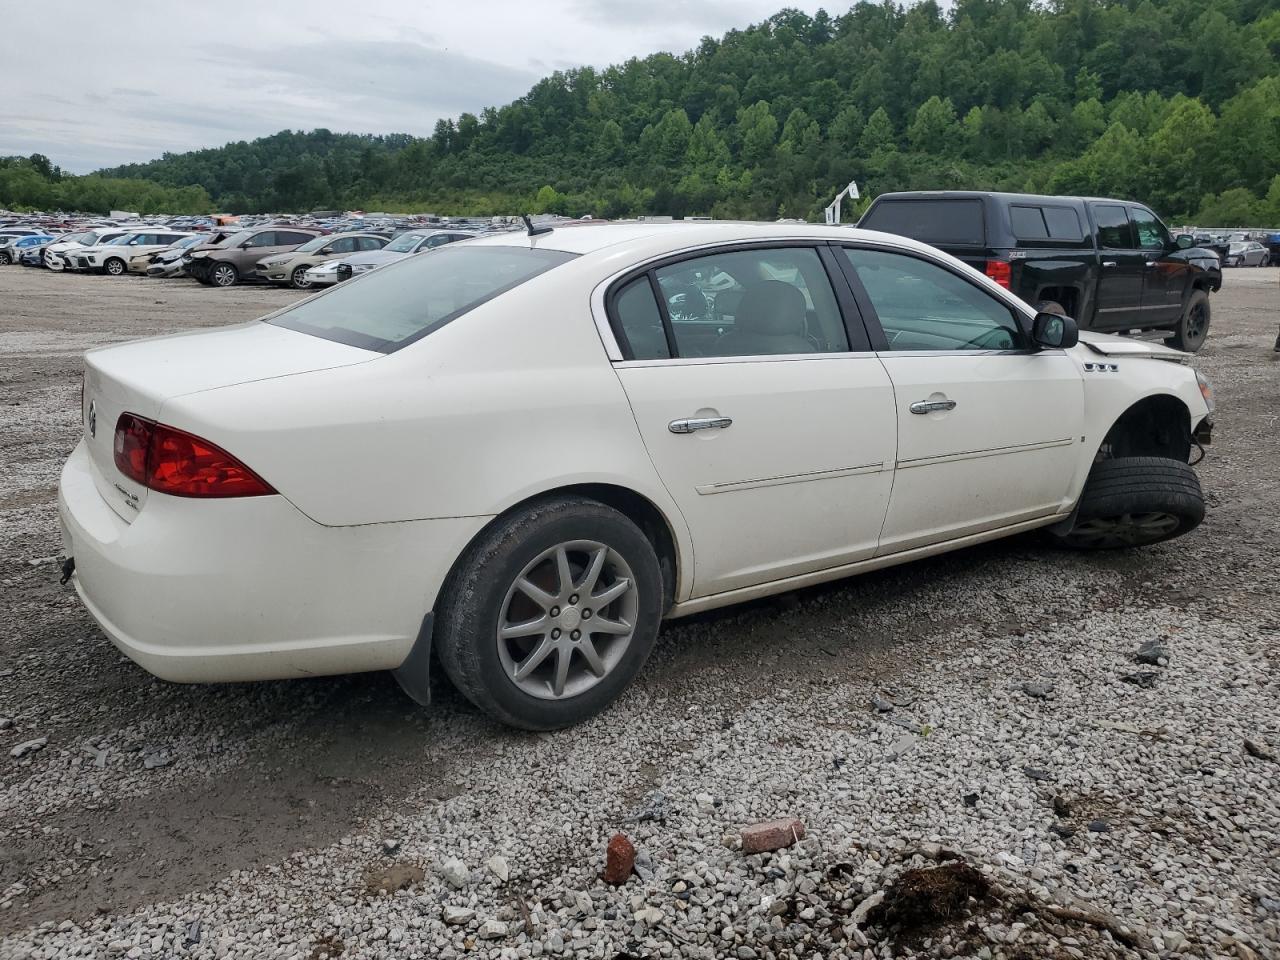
column 513, row 399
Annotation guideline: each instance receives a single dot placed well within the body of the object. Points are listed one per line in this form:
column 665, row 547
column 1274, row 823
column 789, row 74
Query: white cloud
column 118, row 81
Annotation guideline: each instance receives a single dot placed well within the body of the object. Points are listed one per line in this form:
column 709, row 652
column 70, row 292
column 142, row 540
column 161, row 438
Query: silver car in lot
column 405, row 245
column 1247, row 253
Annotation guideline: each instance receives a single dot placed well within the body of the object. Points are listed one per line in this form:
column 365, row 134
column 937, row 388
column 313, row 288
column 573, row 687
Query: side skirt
column 744, row 594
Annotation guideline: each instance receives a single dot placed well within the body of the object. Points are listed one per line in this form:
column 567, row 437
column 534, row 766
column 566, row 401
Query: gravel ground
column 982, row 708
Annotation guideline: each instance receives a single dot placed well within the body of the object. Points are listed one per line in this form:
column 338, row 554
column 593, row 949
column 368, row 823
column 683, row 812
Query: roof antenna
column 533, row 231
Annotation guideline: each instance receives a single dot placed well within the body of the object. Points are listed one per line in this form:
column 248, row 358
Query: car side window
column 371, row 243
column 265, row 239
column 286, row 237
column 1114, row 231
column 922, row 306
column 640, row 322
column 343, row 245
column 748, row 303
column 1151, row 232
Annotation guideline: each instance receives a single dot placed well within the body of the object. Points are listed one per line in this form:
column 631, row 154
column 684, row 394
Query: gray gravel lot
column 1112, row 808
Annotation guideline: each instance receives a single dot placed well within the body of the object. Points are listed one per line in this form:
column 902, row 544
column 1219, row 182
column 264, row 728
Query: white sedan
column 525, row 451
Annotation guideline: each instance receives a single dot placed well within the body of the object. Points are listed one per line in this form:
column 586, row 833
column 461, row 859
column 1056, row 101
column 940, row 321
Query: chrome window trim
column 762, row 358
column 600, row 314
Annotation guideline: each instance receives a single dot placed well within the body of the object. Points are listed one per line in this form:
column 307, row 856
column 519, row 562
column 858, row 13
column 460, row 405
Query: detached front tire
column 550, row 614
column 1134, row 502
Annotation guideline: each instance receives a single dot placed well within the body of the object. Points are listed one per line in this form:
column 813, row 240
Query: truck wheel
column 1133, row 502
column 550, row 613
column 1052, row 306
column 1191, row 330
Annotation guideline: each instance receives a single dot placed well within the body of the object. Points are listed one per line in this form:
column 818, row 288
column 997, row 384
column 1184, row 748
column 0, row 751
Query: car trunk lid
column 139, row 377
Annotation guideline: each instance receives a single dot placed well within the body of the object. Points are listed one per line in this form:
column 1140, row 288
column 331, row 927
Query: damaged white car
column 525, row 451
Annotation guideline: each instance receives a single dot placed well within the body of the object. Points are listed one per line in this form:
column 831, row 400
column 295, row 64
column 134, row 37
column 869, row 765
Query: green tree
column 934, row 128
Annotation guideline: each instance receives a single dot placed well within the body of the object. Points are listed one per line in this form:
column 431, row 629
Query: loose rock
column 30, row 746
column 772, row 835
column 619, row 859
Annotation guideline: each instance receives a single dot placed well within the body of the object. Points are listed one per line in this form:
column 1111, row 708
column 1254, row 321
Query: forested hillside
column 1175, row 103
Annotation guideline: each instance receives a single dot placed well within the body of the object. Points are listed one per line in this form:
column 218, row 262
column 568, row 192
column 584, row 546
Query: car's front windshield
column 238, row 238
column 120, row 240
column 405, row 243
column 190, row 241
column 392, row 307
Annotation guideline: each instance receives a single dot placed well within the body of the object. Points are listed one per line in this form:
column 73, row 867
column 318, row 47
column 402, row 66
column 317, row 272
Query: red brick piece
column 619, row 859
column 772, row 835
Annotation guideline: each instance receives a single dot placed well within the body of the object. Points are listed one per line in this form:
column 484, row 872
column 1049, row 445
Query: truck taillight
column 1000, row 272
column 172, row 461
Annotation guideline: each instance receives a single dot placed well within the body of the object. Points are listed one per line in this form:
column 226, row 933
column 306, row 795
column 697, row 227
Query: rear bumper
column 250, row 589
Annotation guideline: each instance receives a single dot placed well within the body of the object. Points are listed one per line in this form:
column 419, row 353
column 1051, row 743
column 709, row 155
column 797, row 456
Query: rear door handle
column 1108, row 263
column 691, row 424
column 929, row 406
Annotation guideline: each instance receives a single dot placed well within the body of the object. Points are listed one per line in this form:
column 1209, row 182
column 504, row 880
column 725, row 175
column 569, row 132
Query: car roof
column 652, row 238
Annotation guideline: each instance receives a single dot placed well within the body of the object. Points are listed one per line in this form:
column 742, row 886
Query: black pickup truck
column 1109, row 264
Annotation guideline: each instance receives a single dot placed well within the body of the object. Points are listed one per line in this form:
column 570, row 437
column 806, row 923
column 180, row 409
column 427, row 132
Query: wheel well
column 637, row 508
column 644, row 514
column 1067, row 297
column 1158, row 426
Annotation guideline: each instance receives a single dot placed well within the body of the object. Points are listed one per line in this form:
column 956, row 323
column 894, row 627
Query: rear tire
column 503, row 648
column 1133, row 502
column 1193, row 326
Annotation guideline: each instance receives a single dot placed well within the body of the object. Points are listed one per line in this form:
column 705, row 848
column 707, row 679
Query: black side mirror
column 1054, row 331
column 1184, row 241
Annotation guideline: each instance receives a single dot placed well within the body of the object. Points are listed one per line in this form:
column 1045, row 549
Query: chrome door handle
column 1152, row 263
column 1108, row 263
column 699, row 423
column 928, row 406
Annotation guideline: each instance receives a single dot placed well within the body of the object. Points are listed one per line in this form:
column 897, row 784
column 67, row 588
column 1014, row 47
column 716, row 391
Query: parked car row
column 286, row 253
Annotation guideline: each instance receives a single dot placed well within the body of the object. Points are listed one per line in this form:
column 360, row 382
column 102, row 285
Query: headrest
column 771, row 307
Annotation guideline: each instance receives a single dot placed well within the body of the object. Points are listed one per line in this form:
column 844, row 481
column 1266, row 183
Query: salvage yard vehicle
column 227, row 263
column 169, row 261
column 112, row 257
column 172, row 253
column 405, row 245
column 524, row 451
column 290, row 268
column 1247, row 253
column 11, row 247
column 56, row 254
column 1109, row 264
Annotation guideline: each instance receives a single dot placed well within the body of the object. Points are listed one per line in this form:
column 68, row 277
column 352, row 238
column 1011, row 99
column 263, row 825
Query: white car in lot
column 405, row 245
column 112, row 256
column 525, row 451
column 55, row 254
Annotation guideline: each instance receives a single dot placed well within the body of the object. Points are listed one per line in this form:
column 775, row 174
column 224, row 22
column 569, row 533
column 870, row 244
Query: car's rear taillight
column 172, row 461
column 1000, row 272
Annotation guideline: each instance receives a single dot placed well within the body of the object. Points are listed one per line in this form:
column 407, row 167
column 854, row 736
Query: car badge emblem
column 93, row 418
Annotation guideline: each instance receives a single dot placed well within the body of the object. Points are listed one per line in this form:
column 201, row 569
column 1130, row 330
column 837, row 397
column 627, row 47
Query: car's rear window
column 931, row 221
column 389, row 308
column 1045, row 222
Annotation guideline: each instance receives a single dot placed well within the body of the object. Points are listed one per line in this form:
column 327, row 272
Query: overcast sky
column 102, row 83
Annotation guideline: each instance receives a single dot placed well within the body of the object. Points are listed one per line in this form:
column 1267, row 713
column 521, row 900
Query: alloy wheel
column 224, row 275
column 567, row 619
column 300, row 280
column 115, row 267
column 1126, row 530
